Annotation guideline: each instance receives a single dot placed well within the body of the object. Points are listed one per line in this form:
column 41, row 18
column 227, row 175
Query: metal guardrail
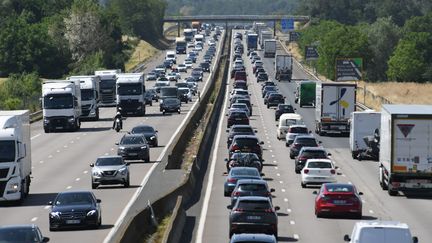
column 35, row 116
column 235, row 18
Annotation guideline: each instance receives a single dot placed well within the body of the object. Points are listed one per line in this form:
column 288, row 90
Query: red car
column 240, row 75
column 338, row 199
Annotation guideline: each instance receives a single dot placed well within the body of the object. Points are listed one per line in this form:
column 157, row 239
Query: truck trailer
column 252, row 41
column 108, row 86
column 130, row 93
column 263, row 36
column 306, row 93
column 334, row 104
column 405, row 161
column 61, row 105
column 15, row 155
column 270, row 48
column 283, row 67
column 362, row 124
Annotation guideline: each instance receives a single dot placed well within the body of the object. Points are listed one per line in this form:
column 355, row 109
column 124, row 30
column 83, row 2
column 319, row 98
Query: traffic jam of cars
column 253, row 217
column 79, row 209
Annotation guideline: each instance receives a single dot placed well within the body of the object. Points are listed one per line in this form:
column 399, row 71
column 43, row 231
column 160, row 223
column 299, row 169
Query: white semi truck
column 130, row 93
column 61, row 105
column 263, row 36
column 333, row 107
column 270, row 48
column 283, row 67
column 108, row 86
column 406, row 148
column 362, row 124
column 90, row 96
column 15, row 155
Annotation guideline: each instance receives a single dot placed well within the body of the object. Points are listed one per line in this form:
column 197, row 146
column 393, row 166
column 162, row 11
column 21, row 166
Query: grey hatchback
column 134, row 146
column 251, row 187
column 109, row 170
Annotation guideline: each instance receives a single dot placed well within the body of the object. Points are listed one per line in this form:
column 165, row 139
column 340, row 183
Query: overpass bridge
column 233, row 18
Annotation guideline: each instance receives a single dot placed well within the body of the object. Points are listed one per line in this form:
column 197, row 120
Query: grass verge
column 160, row 231
column 143, row 51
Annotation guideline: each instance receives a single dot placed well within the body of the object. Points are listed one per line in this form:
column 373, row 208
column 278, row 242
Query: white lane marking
column 41, row 162
column 35, row 136
column 85, row 134
column 283, row 190
column 371, row 211
column 274, row 161
column 289, row 210
column 106, row 153
column 269, row 146
column 85, row 172
column 343, row 175
column 276, row 167
column 77, row 138
column 112, row 149
column 69, row 187
column 72, row 141
column 122, row 217
column 271, row 151
column 58, row 151
column 34, row 219
column 50, row 156
column 65, row 146
column 277, row 174
column 363, row 201
column 296, row 236
column 292, row 222
column 78, row 179
column 285, row 199
column 33, row 167
column 349, row 182
column 272, row 156
column 280, row 182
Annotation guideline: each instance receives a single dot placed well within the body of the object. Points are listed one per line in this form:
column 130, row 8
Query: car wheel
column 291, row 156
column 297, row 171
column 94, row 185
column 147, row 160
column 226, row 194
column 268, row 106
column 156, row 143
column 127, row 183
column 151, row 103
column 52, row 229
column 392, row 192
column 303, row 185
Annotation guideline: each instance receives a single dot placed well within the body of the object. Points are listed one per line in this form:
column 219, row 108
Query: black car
column 148, row 97
column 197, row 75
column 21, row 233
column 251, row 187
column 309, row 153
column 75, row 208
column 149, row 133
column 302, row 141
column 246, row 144
column 267, row 83
column 282, row 109
column 275, row 99
column 258, row 70
column 239, row 130
column 262, row 76
column 253, row 214
column 267, row 89
column 154, row 94
column 238, row 173
column 237, row 118
column 134, row 146
column 157, row 86
column 205, row 66
column 170, row 105
column 168, row 64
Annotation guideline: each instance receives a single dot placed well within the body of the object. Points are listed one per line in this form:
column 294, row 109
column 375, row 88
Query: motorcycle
column 245, row 160
column 117, row 125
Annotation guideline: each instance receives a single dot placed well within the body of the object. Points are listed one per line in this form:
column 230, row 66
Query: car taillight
column 305, row 171
column 269, row 210
column 239, row 210
column 269, row 194
column 324, row 198
column 235, row 194
column 333, row 171
column 302, row 158
column 232, row 180
column 296, row 145
column 235, row 147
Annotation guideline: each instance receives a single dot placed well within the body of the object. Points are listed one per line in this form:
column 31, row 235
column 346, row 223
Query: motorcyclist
column 118, row 116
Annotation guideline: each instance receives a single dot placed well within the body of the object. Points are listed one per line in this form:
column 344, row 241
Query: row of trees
column 58, row 38
column 397, row 49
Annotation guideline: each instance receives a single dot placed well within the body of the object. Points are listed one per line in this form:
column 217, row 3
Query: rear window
column 244, row 172
column 252, row 187
column 238, row 115
column 320, row 165
column 298, row 130
column 243, row 129
column 379, row 234
column 277, row 96
column 306, row 141
column 317, row 154
column 339, row 188
column 247, row 141
column 254, row 205
column 247, row 102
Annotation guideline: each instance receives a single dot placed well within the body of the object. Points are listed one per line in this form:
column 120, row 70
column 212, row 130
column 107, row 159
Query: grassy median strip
column 160, row 231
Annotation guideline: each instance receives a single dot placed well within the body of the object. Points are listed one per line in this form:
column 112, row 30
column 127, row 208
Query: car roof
column 379, row 223
column 250, row 237
column 319, row 160
column 109, row 156
column 253, row 198
column 18, row 226
column 245, row 136
column 251, row 181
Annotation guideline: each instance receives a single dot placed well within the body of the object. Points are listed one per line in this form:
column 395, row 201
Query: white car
column 380, row 231
column 163, row 80
column 190, row 45
column 173, row 76
column 239, row 92
column 317, row 172
column 293, row 131
column 187, row 94
column 188, row 64
column 182, row 68
column 198, row 48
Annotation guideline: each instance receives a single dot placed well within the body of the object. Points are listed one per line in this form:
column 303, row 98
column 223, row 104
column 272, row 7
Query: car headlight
column 97, row 173
column 152, row 137
column 143, row 147
column 91, row 213
column 46, row 121
column 160, row 102
column 123, row 171
column 121, row 148
column 72, row 119
column 55, row 215
column 13, row 187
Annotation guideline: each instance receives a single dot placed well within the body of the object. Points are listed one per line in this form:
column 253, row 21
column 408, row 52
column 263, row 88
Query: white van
column 171, row 55
column 285, row 121
column 380, row 231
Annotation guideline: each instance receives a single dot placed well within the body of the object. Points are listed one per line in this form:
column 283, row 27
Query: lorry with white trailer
column 130, row 93
column 61, row 105
column 108, row 86
column 90, row 96
column 283, row 67
column 362, row 124
column 334, row 104
column 15, row 155
column 181, row 45
column 263, row 36
column 270, row 48
column 405, row 159
column 188, row 34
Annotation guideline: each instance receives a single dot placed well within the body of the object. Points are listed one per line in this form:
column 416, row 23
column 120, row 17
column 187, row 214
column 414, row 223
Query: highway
column 61, row 162
column 297, row 221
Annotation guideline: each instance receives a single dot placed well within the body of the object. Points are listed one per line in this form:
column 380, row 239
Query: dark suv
column 251, row 187
column 134, row 146
column 246, row 144
column 302, row 141
column 253, row 215
column 247, row 102
column 239, row 130
column 309, row 153
column 237, row 118
column 282, row 109
column 275, row 99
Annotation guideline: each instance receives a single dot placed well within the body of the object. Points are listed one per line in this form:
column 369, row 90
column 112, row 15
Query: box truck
column 252, row 41
column 90, row 96
column 283, row 67
column 405, row 161
column 108, row 86
column 333, row 106
column 188, row 34
column 130, row 93
column 362, row 125
column 15, row 155
column 270, row 48
column 61, row 105
column 263, row 36
column 305, row 94
column 181, row 45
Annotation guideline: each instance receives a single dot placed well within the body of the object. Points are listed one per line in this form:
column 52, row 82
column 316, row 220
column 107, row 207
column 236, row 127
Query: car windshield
column 129, row 89
column 378, row 234
column 270, row 88
column 73, row 199
column 87, row 94
column 252, row 187
column 109, row 161
column 19, row 235
column 339, row 188
column 7, row 151
column 244, row 172
column 142, row 129
column 317, row 154
column 170, row 101
column 254, row 205
column 132, row 140
column 183, row 91
column 58, row 101
column 320, row 165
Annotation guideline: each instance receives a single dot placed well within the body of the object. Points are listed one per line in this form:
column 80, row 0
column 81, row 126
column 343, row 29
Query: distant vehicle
column 109, row 170
column 251, row 187
column 246, row 144
column 197, row 75
column 134, row 146
column 283, row 67
column 282, row 109
column 182, row 68
column 241, row 107
column 309, row 153
column 170, row 105
column 237, row 118
column 107, row 86
column 242, row 159
column 285, row 121
column 239, row 130
column 305, row 94
column 317, row 172
column 252, row 41
column 275, row 99
column 150, row 134
column 253, row 238
column 148, row 98
column 268, row 88
column 247, row 102
column 236, row 174
column 154, row 94
column 90, row 96
column 363, row 125
column 75, row 209
column 293, row 132
column 188, row 34
column 302, row 141
column 151, row 76
column 380, row 231
column 205, row 66
column 264, row 35
column 240, row 84
column 338, row 199
column 270, row 48
column 168, row 64
column 181, row 45
column 22, row 233
column 130, row 93
column 185, row 95
column 253, row 215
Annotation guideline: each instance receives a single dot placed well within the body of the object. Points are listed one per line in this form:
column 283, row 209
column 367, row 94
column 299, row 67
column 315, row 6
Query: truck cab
column 107, row 86
column 90, row 96
column 130, row 93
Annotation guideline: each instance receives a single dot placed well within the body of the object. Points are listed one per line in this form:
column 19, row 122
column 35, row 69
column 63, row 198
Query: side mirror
column 361, row 193
column 272, row 190
column 116, row 143
column 262, row 142
column 256, row 131
column 347, row 238
column 45, row 239
column 336, row 167
column 156, row 131
column 91, row 165
column 98, row 200
column 229, row 207
column 226, row 114
column 127, row 163
column 262, row 174
column 319, row 142
column 277, row 208
column 276, row 125
column 329, row 154
column 315, row 192
column 227, row 130
column 226, row 160
column 50, row 203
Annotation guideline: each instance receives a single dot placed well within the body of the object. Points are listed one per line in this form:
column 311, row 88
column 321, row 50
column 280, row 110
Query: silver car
column 109, row 170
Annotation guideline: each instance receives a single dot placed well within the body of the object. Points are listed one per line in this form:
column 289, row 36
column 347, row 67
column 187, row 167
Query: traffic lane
column 364, row 175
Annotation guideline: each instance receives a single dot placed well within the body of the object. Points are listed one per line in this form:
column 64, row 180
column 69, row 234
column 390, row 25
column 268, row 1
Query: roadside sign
column 287, row 25
column 311, row 53
column 349, row 69
column 294, row 36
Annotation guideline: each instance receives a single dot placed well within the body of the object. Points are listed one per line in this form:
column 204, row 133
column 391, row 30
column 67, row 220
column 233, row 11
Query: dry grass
column 143, row 51
column 2, row 80
column 159, row 234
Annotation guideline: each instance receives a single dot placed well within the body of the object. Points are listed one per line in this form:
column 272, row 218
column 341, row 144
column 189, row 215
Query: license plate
column 238, row 119
column 318, row 178
column 73, row 221
column 59, row 127
column 254, row 217
column 133, row 154
column 339, row 201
